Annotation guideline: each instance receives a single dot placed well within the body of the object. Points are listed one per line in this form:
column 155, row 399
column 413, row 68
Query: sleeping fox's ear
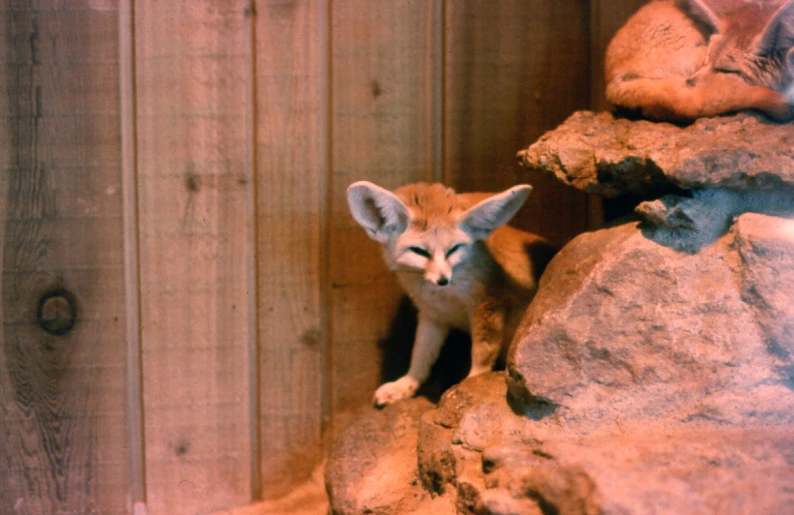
column 778, row 35
column 482, row 219
column 377, row 210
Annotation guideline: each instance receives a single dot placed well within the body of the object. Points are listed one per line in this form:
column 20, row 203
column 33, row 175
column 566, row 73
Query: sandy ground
column 307, row 499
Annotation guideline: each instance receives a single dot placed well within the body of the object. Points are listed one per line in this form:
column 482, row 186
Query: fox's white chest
column 450, row 305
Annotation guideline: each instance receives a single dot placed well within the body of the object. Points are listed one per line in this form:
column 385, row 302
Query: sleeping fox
column 678, row 60
column 458, row 262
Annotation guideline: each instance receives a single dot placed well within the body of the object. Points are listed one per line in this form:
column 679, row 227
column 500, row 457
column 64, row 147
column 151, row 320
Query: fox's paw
column 402, row 388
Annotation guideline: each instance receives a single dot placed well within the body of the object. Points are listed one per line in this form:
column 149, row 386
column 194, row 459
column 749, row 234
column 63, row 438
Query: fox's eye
column 419, row 250
column 454, row 249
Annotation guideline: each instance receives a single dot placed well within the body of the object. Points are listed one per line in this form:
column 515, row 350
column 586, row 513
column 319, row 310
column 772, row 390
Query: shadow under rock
column 523, row 403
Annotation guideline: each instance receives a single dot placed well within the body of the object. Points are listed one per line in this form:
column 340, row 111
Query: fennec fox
column 679, row 60
column 461, row 267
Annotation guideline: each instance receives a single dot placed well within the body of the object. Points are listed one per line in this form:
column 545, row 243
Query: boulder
column 372, row 465
column 598, row 153
column 474, row 448
column 643, row 380
column 635, row 330
column 653, row 371
column 643, row 471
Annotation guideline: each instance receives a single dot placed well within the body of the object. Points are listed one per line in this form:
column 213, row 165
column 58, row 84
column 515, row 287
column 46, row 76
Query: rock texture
column 637, row 331
column 475, row 455
column 645, row 380
column 372, row 466
column 653, row 372
column 599, row 154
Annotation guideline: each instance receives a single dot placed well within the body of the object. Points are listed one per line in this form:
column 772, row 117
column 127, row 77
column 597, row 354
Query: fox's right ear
column 377, row 210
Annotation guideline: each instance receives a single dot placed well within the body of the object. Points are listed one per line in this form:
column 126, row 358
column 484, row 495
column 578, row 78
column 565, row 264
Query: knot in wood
column 57, row 312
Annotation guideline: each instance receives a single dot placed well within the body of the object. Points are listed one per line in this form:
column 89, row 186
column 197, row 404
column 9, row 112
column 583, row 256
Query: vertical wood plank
column 252, row 287
column 382, row 126
column 191, row 75
column 63, row 423
column 292, row 178
column 607, row 17
column 129, row 185
column 515, row 69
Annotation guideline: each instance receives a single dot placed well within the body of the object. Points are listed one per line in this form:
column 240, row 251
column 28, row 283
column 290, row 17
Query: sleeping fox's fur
column 679, row 60
column 461, row 267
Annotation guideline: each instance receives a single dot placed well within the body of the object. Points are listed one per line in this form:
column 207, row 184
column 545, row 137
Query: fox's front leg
column 430, row 337
column 487, row 336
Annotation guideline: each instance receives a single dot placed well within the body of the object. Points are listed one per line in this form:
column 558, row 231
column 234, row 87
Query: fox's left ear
column 482, row 219
column 778, row 35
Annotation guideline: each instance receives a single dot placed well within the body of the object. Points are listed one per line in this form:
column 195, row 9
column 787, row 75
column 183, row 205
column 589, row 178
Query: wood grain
column 129, row 194
column 63, row 424
column 607, row 17
column 292, row 177
column 191, row 74
column 382, row 128
column 515, row 69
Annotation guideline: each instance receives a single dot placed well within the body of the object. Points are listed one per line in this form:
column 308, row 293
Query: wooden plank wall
column 607, row 16
column 382, row 131
column 515, row 69
column 291, row 47
column 200, row 151
column 191, row 70
column 63, row 421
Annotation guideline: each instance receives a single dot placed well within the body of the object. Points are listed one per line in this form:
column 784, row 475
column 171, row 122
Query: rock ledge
column 598, row 153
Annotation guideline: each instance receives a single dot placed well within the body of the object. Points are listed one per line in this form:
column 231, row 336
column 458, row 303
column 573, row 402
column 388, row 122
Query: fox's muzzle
column 438, row 271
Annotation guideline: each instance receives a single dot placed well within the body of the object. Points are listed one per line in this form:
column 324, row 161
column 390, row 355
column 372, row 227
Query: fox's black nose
column 442, row 281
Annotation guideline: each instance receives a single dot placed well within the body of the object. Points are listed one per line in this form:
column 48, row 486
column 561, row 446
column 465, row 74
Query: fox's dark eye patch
column 419, row 250
column 454, row 249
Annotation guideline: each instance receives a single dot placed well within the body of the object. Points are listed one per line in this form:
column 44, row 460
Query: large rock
column 643, row 380
column 372, row 466
column 634, row 330
column 670, row 470
column 654, row 370
column 476, row 455
column 600, row 154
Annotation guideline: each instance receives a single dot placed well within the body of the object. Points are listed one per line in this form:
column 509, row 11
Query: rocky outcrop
column 654, row 370
column 372, row 467
column 635, row 330
column 475, row 455
column 598, row 153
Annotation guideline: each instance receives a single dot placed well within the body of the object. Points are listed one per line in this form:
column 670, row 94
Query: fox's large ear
column 377, row 210
column 482, row 219
column 778, row 35
column 701, row 13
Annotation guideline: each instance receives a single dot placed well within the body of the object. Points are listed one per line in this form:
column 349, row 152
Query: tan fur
column 679, row 60
column 491, row 272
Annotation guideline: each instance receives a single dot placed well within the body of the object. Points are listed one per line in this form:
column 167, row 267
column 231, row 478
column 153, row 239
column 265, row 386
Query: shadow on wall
column 451, row 367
